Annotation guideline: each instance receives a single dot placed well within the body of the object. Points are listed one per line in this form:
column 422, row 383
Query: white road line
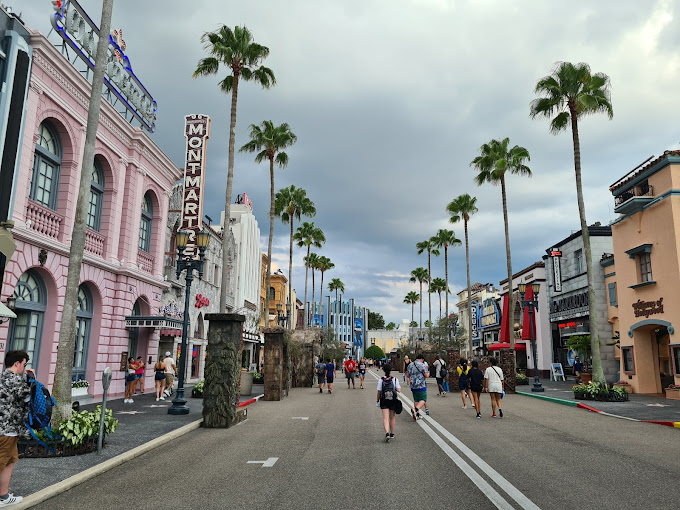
column 504, row 484
column 265, row 463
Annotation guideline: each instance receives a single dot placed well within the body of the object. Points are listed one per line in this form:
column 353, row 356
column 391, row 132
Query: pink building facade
column 122, row 273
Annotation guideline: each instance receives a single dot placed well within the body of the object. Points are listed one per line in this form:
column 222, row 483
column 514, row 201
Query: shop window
column 578, row 261
column 46, row 167
column 676, row 359
column 145, row 225
column 94, row 212
column 612, row 294
column 25, row 332
column 272, row 293
column 628, row 360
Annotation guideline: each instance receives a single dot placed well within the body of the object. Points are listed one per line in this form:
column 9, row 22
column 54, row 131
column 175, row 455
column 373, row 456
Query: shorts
column 349, row 375
column 419, row 395
column 329, row 379
column 462, row 385
column 8, row 451
column 130, row 378
column 495, row 387
column 478, row 391
column 388, row 404
column 160, row 376
column 321, row 378
column 440, row 380
column 139, row 376
column 169, row 379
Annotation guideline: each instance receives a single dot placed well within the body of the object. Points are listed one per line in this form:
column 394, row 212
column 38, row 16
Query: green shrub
column 80, row 384
column 85, row 424
column 258, row 377
column 521, row 379
column 374, row 352
column 601, row 392
column 198, row 388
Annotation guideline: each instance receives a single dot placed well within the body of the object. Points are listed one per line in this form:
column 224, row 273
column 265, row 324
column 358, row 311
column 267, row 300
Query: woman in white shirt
column 495, row 385
column 387, row 400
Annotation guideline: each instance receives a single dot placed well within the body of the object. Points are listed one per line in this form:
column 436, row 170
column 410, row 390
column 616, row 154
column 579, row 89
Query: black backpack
column 389, row 390
column 320, row 369
column 442, row 370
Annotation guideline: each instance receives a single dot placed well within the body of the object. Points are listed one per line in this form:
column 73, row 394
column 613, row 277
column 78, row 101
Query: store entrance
column 663, row 360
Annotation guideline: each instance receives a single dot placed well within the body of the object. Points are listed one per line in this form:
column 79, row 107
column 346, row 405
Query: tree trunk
column 467, row 264
column 67, row 332
column 304, row 306
column 446, row 291
column 321, row 297
column 313, row 302
column 271, row 236
column 224, row 284
column 429, row 294
column 421, row 306
column 509, row 263
column 290, row 279
column 440, row 305
column 598, row 372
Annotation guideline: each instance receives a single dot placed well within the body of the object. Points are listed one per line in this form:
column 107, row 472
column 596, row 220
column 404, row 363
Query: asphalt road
column 540, row 455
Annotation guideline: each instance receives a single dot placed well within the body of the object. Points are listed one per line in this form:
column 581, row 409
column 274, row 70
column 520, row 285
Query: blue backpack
column 40, row 408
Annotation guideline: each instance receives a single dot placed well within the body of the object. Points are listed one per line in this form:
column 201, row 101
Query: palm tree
column 420, row 274
column 494, row 160
column 270, row 140
column 336, row 285
column 439, row 285
column 236, row 50
column 67, row 334
column 431, row 248
column 291, row 203
column 308, row 235
column 569, row 93
column 412, row 298
column 446, row 238
column 324, row 265
column 462, row 207
column 312, row 262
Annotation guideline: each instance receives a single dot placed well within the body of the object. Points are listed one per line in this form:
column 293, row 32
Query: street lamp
column 279, row 314
column 179, row 403
column 533, row 305
column 288, row 314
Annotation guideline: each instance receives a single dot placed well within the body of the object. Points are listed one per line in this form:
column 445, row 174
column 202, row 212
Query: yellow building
column 643, row 276
column 278, row 293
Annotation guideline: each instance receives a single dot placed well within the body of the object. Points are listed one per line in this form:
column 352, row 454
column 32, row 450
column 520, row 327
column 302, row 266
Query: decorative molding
column 35, row 86
column 115, row 130
column 42, row 62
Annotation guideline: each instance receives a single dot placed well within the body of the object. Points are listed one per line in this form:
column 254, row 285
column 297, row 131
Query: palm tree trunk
column 290, row 277
column 467, row 264
column 67, row 333
column 321, row 297
column 271, row 236
column 598, row 372
column 304, row 306
column 440, row 305
column 446, row 290
column 413, row 306
column 224, row 284
column 421, row 306
column 313, row 302
column 511, row 308
column 429, row 294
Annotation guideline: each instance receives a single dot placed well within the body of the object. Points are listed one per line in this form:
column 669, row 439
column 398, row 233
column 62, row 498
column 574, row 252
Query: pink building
column 122, row 273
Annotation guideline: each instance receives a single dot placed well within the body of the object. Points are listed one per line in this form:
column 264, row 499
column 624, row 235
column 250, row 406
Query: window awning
column 153, row 321
column 6, row 312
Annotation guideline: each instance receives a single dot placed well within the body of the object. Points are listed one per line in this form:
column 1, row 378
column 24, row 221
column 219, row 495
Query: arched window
column 83, row 328
column 94, row 212
column 145, row 226
column 272, row 293
column 26, row 330
column 46, row 167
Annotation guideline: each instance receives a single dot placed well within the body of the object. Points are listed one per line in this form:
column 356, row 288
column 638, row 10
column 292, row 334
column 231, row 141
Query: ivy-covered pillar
column 452, row 360
column 507, row 363
column 222, row 370
column 274, row 360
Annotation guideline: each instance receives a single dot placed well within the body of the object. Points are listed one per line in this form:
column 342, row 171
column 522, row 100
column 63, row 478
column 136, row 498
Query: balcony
column 145, row 261
column 44, row 220
column 634, row 199
column 95, row 242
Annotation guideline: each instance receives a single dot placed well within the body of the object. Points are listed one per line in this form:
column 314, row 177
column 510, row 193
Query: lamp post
column 179, row 403
column 532, row 304
column 288, row 315
column 279, row 314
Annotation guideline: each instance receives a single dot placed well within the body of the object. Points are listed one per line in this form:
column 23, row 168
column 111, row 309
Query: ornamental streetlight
column 279, row 314
column 288, row 315
column 184, row 262
column 532, row 304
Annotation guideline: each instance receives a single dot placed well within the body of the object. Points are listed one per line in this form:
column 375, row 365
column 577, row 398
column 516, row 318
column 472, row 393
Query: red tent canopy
column 505, row 321
column 506, row 345
column 526, row 330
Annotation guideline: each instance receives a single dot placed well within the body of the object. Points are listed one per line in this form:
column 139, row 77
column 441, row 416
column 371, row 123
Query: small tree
column 581, row 344
column 413, row 324
column 375, row 320
column 391, row 326
column 374, row 352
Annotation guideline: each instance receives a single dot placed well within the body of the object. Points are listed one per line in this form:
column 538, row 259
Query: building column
column 507, row 364
column 275, row 371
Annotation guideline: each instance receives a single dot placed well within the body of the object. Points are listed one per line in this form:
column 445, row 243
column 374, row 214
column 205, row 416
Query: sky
column 391, row 101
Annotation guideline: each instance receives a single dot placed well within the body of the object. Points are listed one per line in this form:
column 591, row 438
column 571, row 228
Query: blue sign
column 491, row 315
column 358, row 332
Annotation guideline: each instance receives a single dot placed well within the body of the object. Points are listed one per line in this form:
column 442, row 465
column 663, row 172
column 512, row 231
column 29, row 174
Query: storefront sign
column 557, row 271
column 475, row 311
column 358, row 332
column 197, row 132
column 491, row 315
column 569, row 307
column 201, row 301
column 245, row 200
column 647, row 308
column 81, row 34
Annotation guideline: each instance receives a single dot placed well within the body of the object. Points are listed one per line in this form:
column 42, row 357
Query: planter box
column 673, row 394
column 78, row 392
column 586, row 378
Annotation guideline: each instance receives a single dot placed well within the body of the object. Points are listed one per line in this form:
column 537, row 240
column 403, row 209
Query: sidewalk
column 140, row 422
column 639, row 407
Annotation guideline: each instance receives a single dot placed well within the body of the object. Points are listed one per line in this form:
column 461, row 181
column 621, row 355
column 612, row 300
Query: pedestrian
column 404, row 368
column 170, row 373
column 438, row 365
column 476, row 379
column 418, row 372
column 362, row 371
column 388, row 388
column 139, row 374
column 463, row 381
column 578, row 369
column 330, row 374
column 14, row 399
column 159, row 379
column 321, row 374
column 130, row 381
column 350, row 369
column 494, row 384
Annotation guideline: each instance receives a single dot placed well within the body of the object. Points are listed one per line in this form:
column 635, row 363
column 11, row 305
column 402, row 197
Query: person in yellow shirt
column 463, row 382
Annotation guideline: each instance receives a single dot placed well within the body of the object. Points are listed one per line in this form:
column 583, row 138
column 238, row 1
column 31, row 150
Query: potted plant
column 79, row 388
column 673, row 392
column 581, row 345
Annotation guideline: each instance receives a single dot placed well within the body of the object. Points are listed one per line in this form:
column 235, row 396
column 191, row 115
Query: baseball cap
column 420, row 356
column 167, row 353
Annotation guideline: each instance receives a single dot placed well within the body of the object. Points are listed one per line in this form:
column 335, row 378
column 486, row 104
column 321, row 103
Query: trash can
column 246, row 382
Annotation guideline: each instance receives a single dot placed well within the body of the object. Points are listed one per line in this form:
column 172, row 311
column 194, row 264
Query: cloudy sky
column 391, row 100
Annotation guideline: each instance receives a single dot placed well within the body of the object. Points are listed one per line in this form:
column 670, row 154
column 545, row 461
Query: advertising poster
column 358, row 332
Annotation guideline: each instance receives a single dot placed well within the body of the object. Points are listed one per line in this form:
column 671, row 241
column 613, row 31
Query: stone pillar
column 452, row 360
column 223, row 370
column 274, row 361
column 507, row 364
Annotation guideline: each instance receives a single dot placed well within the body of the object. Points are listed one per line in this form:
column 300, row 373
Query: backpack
column 40, row 407
column 388, row 391
column 321, row 369
column 442, row 370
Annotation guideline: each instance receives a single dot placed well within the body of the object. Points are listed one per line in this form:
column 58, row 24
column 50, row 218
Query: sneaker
column 130, row 401
column 500, row 412
column 156, row 399
column 413, row 413
column 11, row 499
column 493, row 416
column 387, row 438
column 162, row 398
column 427, row 411
column 329, row 391
column 320, row 390
column 418, row 416
column 391, row 436
column 479, row 415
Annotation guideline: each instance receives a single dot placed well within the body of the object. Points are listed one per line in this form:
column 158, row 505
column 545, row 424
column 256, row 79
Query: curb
column 250, row 401
column 77, row 479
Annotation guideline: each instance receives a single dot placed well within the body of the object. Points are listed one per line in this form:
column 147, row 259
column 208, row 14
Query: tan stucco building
column 643, row 276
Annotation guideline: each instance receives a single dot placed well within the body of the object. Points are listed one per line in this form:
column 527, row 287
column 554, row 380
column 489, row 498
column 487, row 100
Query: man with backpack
column 321, row 374
column 440, row 374
column 418, row 372
column 14, row 401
